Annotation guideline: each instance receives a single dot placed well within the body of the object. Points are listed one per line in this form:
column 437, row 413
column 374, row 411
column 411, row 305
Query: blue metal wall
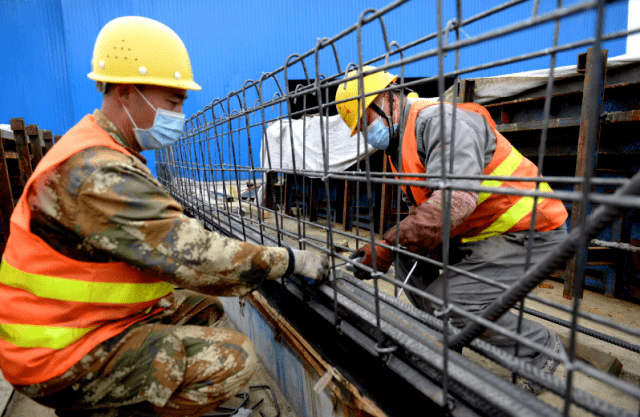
column 35, row 81
column 47, row 44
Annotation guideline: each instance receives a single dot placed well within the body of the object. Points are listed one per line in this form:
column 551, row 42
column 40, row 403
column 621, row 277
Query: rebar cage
column 239, row 169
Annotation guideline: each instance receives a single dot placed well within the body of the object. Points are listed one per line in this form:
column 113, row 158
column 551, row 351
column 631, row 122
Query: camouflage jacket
column 101, row 205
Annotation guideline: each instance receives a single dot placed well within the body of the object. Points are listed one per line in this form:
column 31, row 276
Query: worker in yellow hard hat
column 350, row 110
column 489, row 230
column 95, row 327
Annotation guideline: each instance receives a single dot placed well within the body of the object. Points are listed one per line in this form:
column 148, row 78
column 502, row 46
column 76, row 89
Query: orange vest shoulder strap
column 85, row 134
column 476, row 108
column 410, row 160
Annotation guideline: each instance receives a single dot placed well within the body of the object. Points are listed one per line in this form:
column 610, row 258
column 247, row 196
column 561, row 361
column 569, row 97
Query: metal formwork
column 224, row 173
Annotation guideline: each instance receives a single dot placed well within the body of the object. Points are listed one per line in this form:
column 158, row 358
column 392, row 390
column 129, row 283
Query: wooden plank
column 47, row 140
column 467, row 91
column 15, row 181
column 385, row 198
column 56, row 138
column 313, row 205
column 347, row 207
column 36, row 147
column 294, row 363
column 270, row 198
column 289, row 193
column 6, row 208
column 601, row 360
column 22, row 148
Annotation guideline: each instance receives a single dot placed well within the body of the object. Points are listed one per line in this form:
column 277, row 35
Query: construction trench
column 271, row 164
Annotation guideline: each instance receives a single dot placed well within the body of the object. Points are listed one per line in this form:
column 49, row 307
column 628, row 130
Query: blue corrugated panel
column 578, row 27
column 47, row 44
column 34, row 75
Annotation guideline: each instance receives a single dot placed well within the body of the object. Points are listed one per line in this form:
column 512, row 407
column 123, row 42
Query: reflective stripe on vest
column 511, row 217
column 495, row 213
column 83, row 291
column 505, row 169
column 518, row 211
column 54, row 288
column 34, row 336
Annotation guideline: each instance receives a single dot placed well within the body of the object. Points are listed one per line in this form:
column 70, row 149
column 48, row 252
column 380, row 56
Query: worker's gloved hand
column 313, row 265
column 384, row 259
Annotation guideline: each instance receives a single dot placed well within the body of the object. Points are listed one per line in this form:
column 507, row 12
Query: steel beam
column 592, row 100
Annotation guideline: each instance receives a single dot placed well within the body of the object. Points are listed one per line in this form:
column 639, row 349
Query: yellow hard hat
column 372, row 82
column 138, row 50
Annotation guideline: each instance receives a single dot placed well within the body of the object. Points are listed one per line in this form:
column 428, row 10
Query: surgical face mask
column 166, row 130
column 378, row 134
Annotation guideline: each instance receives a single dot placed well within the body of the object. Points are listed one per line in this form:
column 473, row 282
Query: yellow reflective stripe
column 511, row 217
column 545, row 188
column 487, row 183
column 508, row 219
column 82, row 291
column 33, row 336
column 505, row 169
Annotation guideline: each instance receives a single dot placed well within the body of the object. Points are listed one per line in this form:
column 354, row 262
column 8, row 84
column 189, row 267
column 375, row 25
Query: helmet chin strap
column 392, row 150
column 389, row 119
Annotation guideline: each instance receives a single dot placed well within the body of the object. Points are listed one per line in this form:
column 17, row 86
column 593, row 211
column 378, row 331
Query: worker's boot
column 549, row 366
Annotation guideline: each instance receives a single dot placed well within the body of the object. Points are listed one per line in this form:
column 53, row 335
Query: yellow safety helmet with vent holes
column 372, row 82
column 138, row 50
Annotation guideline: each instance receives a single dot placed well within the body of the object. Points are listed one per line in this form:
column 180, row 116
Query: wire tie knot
column 439, row 313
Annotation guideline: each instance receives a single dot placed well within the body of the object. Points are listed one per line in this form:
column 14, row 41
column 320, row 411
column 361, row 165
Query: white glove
column 351, row 267
column 313, row 265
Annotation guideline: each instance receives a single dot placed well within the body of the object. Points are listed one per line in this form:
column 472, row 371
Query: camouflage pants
column 172, row 364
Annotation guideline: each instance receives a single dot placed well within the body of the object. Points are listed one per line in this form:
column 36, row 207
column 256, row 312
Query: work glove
column 309, row 264
column 384, row 259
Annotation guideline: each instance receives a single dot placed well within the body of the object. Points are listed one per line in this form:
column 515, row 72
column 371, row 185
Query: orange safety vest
column 55, row 309
column 494, row 213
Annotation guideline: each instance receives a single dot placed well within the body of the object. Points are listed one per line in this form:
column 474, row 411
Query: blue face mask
column 166, row 130
column 378, row 134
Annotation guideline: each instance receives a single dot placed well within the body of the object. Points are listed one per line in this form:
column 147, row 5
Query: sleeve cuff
column 292, row 263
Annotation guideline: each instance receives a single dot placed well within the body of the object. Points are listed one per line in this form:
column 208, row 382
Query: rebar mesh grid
column 226, row 172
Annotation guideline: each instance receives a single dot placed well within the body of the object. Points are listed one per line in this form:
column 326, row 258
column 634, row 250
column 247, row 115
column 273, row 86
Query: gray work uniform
column 501, row 258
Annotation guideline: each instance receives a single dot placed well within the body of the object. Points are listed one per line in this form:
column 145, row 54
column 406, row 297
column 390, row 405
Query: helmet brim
column 181, row 84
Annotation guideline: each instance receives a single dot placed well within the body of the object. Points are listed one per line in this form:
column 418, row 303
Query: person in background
column 489, row 231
